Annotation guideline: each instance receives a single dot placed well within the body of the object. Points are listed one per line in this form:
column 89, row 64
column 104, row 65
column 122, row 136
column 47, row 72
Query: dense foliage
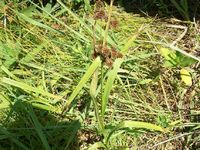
column 80, row 74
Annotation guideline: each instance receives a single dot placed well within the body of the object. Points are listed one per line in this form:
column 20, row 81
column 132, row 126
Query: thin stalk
column 108, row 23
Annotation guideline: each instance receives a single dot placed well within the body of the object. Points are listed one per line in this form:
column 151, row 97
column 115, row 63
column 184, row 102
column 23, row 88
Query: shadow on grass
column 162, row 8
column 27, row 128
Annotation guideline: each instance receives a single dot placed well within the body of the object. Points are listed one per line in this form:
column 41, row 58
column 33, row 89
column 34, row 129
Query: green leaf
column 170, row 57
column 139, row 124
column 136, row 124
column 184, row 61
column 96, row 63
column 111, row 77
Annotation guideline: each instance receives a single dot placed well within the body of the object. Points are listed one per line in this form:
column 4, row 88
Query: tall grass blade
column 182, row 8
column 96, row 63
column 34, row 22
column 76, row 17
column 139, row 124
column 111, row 77
column 38, row 128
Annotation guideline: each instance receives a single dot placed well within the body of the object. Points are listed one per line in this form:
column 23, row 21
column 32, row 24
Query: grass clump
column 103, row 79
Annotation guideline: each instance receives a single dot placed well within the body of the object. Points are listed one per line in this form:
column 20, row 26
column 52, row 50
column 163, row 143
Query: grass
column 55, row 95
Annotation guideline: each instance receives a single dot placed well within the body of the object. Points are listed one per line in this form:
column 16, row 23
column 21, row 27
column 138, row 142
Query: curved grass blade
column 138, row 125
column 96, row 63
column 111, row 77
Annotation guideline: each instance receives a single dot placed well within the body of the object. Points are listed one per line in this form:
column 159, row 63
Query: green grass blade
column 96, row 63
column 76, row 17
column 136, row 124
column 78, row 35
column 111, row 77
column 31, row 55
column 9, row 73
column 130, row 41
column 9, row 135
column 140, row 124
column 34, row 22
column 38, row 128
column 29, row 88
column 4, row 102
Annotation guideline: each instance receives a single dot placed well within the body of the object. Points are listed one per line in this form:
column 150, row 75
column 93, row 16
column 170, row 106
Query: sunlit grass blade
column 36, row 23
column 96, row 63
column 45, row 106
column 9, row 73
column 31, row 56
column 111, row 77
column 93, row 85
column 76, row 17
column 4, row 102
column 140, row 124
column 38, row 128
column 130, row 41
column 29, row 88
column 136, row 125
column 175, row 48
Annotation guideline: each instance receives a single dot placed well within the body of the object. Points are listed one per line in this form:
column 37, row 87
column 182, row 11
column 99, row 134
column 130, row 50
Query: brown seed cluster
column 108, row 55
column 99, row 12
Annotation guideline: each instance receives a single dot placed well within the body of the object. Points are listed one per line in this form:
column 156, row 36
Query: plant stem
column 108, row 23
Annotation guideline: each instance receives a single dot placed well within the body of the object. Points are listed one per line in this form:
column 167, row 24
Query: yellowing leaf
column 170, row 57
column 186, row 77
column 167, row 53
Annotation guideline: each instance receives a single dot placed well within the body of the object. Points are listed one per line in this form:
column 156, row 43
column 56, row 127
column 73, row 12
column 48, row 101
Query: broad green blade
column 93, row 85
column 96, row 63
column 111, row 77
column 140, row 124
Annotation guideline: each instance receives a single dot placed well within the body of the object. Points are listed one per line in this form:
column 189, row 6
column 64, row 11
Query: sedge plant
column 102, row 82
